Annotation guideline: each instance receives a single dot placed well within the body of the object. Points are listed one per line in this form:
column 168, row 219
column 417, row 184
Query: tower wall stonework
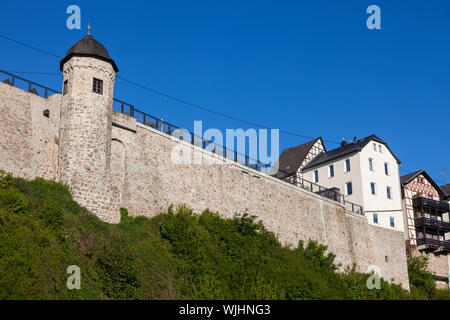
column 85, row 136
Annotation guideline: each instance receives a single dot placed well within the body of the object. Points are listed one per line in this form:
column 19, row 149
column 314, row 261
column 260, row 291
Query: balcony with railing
column 433, row 245
column 432, row 223
column 421, row 203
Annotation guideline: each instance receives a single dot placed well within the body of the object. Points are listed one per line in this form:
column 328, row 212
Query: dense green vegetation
column 176, row 255
column 421, row 281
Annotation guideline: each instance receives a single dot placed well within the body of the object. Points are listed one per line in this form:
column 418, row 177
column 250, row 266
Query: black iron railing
column 330, row 193
column 27, row 85
column 169, row 128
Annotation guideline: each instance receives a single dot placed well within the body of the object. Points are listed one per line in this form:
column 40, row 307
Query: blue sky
column 309, row 67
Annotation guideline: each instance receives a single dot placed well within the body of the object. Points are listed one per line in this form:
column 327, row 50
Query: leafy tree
column 420, row 279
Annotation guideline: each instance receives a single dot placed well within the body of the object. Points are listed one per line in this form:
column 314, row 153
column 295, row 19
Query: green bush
column 119, row 276
column 176, row 255
column 51, row 215
column 12, row 200
column 422, row 281
column 5, row 179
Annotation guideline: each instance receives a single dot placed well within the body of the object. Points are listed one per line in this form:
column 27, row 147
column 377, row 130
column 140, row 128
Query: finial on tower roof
column 89, row 28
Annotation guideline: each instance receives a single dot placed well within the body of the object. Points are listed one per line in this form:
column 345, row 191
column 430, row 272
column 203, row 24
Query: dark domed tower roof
column 88, row 47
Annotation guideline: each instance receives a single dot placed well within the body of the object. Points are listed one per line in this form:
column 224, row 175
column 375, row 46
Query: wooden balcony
column 421, row 202
column 432, row 223
column 434, row 245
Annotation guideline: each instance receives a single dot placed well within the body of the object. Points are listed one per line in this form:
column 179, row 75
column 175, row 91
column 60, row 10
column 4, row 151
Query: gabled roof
column 88, row 47
column 407, row 178
column 346, row 149
column 291, row 159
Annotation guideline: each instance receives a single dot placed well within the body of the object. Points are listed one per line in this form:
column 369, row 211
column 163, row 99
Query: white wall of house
column 341, row 177
column 361, row 177
column 379, row 202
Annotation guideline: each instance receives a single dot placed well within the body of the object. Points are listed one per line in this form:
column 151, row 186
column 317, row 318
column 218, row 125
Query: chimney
column 343, row 143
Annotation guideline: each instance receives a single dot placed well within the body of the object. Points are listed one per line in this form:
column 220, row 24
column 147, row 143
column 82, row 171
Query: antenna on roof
column 443, row 173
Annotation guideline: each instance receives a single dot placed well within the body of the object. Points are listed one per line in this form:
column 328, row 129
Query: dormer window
column 97, row 86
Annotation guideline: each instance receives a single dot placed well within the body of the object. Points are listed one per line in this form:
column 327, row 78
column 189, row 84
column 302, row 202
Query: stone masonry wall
column 146, row 181
column 150, row 181
column 438, row 265
column 28, row 139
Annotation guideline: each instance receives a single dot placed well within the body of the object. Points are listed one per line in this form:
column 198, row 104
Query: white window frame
column 392, row 222
column 387, row 169
column 373, row 218
column 374, row 191
column 371, row 164
column 347, row 169
column 346, row 188
column 316, row 176
column 331, row 166
column 389, row 194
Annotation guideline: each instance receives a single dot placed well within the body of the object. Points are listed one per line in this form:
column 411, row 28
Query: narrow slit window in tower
column 65, row 87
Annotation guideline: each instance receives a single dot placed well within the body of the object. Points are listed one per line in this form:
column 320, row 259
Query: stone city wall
column 146, row 180
column 151, row 175
column 28, row 139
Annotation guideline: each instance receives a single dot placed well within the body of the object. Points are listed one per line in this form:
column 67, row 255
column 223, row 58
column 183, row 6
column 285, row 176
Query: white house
column 366, row 173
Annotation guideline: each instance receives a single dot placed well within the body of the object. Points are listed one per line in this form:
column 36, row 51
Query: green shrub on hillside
column 422, row 281
column 11, row 200
column 175, row 255
column 5, row 179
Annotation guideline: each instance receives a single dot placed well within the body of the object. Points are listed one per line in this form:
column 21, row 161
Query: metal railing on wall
column 330, row 193
column 27, row 85
column 169, row 128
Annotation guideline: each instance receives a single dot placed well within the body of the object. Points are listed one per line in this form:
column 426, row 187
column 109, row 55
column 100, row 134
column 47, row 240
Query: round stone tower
column 84, row 153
